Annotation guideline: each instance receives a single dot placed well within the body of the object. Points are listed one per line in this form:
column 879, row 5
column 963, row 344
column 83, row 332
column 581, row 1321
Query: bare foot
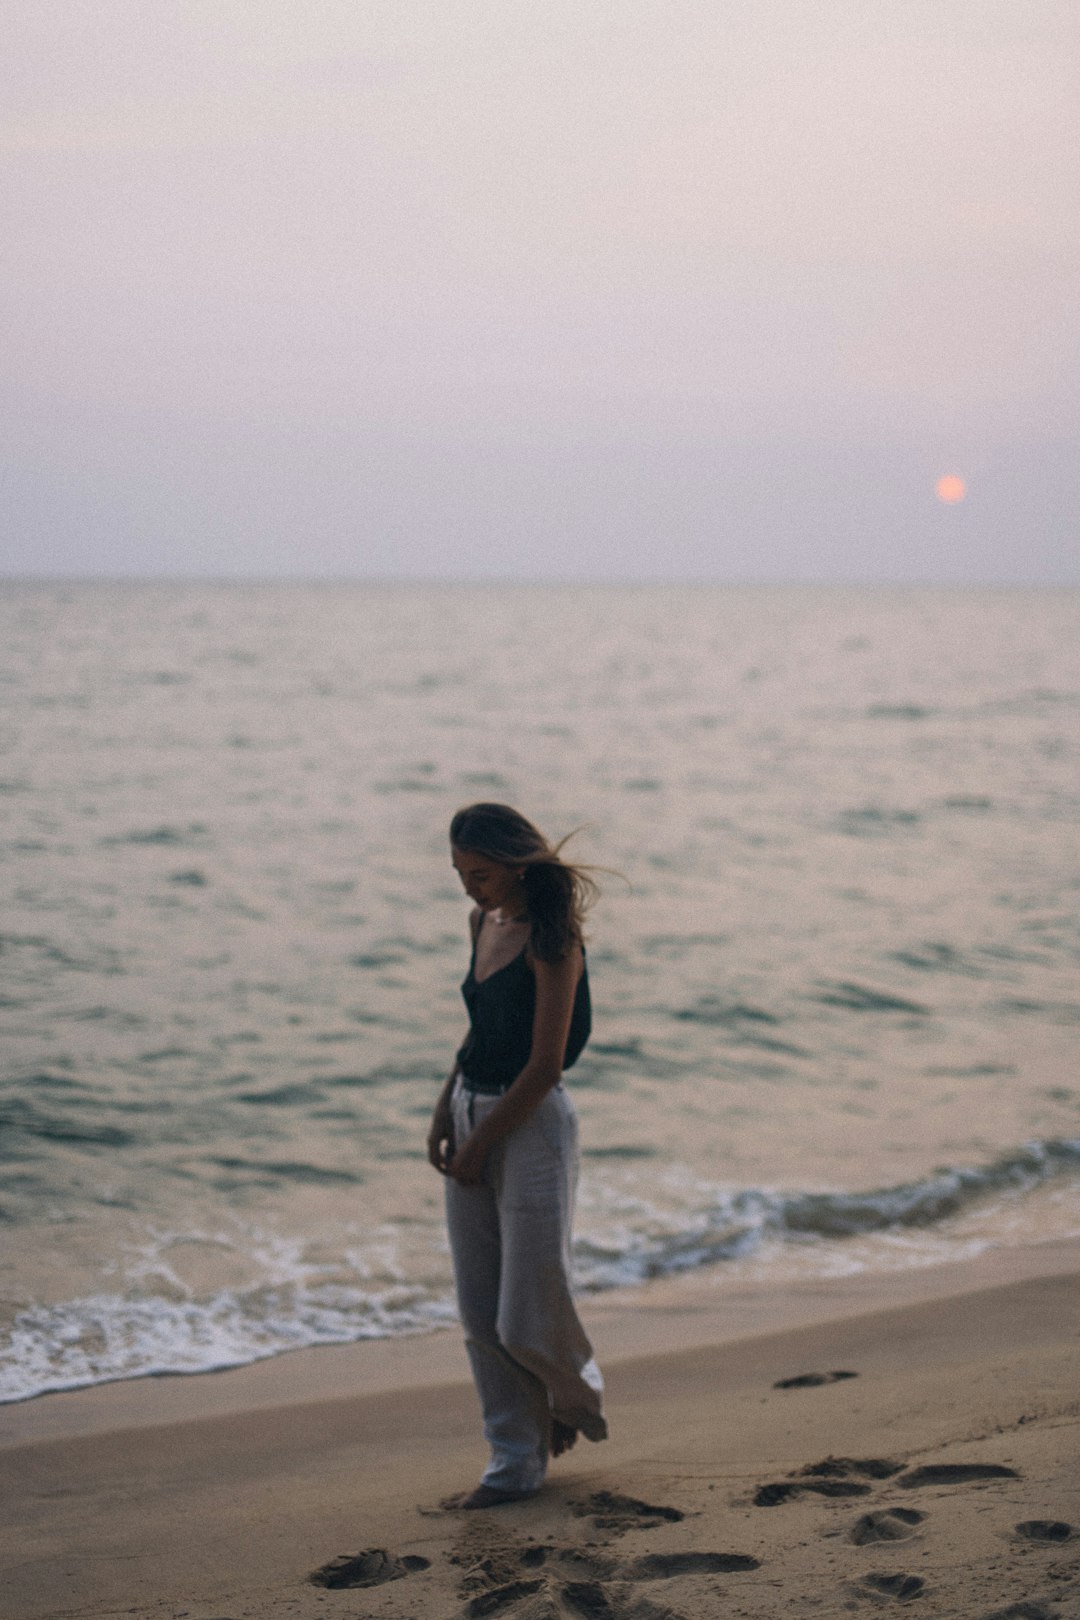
column 484, row 1496
column 563, row 1437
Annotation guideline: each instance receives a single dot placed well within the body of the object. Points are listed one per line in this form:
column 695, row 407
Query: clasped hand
column 464, row 1164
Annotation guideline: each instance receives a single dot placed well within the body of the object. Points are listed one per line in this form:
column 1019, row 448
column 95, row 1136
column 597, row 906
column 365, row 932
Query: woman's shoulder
column 571, row 966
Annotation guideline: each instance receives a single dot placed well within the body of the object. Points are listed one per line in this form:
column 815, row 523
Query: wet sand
column 944, row 1474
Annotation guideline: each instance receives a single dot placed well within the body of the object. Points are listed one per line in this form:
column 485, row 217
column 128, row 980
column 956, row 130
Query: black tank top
column 501, row 1009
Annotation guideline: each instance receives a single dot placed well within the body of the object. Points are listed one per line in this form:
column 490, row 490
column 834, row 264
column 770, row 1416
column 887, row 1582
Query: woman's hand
column 467, row 1164
column 440, row 1142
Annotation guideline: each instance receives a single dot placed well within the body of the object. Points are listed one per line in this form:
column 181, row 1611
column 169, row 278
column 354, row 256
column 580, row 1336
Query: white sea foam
column 106, row 1337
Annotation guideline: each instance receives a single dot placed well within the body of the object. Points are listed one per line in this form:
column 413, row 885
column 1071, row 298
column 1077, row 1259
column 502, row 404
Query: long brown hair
column 557, row 894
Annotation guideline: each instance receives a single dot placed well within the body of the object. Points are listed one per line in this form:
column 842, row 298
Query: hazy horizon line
column 590, row 582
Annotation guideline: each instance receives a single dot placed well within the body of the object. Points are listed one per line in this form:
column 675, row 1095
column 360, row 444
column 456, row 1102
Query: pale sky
column 680, row 289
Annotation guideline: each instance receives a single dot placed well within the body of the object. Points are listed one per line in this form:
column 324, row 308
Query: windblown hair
column 557, row 895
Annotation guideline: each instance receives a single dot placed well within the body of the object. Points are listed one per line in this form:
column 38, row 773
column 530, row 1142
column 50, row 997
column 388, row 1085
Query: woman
column 504, row 1134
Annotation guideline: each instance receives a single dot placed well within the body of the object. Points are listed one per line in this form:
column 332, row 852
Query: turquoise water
column 836, row 994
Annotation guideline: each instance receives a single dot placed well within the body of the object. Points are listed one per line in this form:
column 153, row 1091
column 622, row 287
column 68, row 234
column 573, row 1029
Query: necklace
column 501, row 922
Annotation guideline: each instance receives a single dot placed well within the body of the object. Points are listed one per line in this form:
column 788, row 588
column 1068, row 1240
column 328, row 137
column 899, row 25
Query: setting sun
column 950, row 489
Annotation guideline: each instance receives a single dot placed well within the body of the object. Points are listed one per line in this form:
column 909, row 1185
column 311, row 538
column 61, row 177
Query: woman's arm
column 440, row 1140
column 556, row 986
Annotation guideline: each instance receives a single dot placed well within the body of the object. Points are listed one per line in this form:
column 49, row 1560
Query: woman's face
column 489, row 883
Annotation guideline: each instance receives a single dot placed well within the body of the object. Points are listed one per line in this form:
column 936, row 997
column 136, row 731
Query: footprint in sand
column 832, row 1477
column 901, row 1587
column 610, row 1511
column 785, row 1490
column 371, row 1568
column 842, row 1467
column 954, row 1474
column 655, row 1566
column 886, row 1524
column 1053, row 1531
column 662, row 1566
column 1023, row 1611
column 592, row 1601
column 579, row 1580
column 588, row 1599
column 812, row 1380
column 501, row 1597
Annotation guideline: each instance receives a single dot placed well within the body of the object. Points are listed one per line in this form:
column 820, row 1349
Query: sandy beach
column 943, row 1471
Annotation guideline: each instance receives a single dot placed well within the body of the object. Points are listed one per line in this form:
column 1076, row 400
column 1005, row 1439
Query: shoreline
column 696, row 1309
column 218, row 1495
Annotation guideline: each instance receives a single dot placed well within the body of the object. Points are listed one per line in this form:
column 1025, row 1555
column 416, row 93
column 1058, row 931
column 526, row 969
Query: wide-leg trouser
column 510, row 1241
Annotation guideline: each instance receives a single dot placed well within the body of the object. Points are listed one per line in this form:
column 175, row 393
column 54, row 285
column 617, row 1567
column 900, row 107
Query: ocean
column 834, row 967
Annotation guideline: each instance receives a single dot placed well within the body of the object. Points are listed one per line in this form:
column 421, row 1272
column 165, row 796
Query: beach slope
column 943, row 1473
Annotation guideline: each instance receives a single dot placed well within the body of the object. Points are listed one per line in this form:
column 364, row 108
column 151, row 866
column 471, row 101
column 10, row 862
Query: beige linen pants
column 510, row 1241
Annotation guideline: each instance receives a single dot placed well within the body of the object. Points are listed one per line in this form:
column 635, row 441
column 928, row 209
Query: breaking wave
column 105, row 1337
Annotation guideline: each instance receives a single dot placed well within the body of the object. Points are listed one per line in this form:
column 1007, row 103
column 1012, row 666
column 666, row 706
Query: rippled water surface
column 837, row 1001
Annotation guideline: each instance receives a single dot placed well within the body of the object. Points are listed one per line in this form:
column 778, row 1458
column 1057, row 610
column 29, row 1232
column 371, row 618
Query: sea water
column 834, row 968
